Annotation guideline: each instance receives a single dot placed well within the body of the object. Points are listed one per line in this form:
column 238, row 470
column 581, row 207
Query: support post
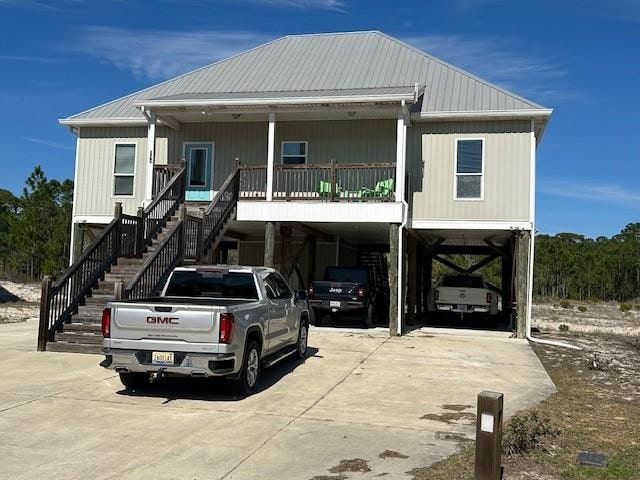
column 334, row 181
column 420, row 298
column 285, row 250
column 489, row 436
column 506, row 287
column 411, row 279
column 427, row 275
column 117, row 214
column 118, row 288
column 140, row 233
column 271, row 154
column 401, row 148
column 43, row 327
column 151, row 158
column 311, row 259
column 269, row 243
column 392, row 262
column 522, row 279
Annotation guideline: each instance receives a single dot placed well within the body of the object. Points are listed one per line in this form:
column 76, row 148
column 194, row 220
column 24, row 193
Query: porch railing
column 220, row 210
column 324, row 182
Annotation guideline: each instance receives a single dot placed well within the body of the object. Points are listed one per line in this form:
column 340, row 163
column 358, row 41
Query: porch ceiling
column 466, row 238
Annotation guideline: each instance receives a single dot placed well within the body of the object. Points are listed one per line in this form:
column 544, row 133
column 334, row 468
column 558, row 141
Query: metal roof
column 355, row 62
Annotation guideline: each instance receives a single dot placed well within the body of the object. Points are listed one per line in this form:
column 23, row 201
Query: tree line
column 35, row 240
column 572, row 266
column 35, row 228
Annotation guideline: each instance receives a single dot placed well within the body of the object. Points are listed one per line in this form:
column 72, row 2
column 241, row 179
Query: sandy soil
column 19, row 302
column 602, row 317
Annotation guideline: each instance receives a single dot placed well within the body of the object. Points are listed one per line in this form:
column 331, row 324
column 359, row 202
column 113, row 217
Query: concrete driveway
column 358, row 395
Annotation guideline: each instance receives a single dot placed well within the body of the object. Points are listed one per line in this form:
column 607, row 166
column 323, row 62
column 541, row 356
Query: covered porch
column 335, row 147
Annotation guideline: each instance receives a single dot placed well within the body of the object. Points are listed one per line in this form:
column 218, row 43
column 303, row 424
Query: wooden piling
column 269, row 243
column 392, row 261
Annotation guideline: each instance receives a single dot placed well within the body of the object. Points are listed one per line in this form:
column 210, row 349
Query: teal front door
column 199, row 157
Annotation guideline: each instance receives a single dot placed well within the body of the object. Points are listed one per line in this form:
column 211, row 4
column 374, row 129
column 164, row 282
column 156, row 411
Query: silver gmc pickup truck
column 209, row 321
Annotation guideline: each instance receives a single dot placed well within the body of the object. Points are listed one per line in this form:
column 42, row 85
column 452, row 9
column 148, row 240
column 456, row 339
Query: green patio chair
column 324, row 189
column 384, row 188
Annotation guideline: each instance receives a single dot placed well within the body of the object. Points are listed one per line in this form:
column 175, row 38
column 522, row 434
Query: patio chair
column 384, row 188
column 324, row 189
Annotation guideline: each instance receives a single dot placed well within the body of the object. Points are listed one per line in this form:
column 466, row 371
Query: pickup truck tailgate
column 185, row 323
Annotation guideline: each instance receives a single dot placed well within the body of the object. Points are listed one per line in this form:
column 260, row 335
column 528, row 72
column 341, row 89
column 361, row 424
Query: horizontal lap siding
column 345, row 141
column 506, row 170
column 95, row 170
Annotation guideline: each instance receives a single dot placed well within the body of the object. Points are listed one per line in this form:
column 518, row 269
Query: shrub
column 625, row 307
column 563, row 327
column 566, row 304
column 582, row 308
column 526, row 433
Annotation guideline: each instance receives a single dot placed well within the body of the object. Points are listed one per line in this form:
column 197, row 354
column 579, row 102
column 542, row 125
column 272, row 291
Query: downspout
column 403, row 225
column 532, row 182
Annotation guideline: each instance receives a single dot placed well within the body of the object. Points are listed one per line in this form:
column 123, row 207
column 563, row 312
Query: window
column 469, row 166
column 214, row 284
column 294, row 153
column 124, row 167
column 276, row 287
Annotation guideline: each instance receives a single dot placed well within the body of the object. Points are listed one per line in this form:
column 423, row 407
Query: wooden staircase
column 83, row 334
column 137, row 253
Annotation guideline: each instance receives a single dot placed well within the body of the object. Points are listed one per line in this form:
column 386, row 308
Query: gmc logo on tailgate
column 163, row 320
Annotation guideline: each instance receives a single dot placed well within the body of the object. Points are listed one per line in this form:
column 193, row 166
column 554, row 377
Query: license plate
column 462, row 307
column 333, row 303
column 162, row 358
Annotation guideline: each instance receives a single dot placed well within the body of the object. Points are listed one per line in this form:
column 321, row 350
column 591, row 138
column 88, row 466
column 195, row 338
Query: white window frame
column 456, row 174
column 306, row 151
column 113, row 169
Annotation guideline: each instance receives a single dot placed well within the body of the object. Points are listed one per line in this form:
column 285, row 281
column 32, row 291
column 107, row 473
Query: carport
column 510, row 248
column 302, row 250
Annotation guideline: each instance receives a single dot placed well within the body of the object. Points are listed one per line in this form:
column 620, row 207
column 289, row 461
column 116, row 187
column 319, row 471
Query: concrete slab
column 357, row 395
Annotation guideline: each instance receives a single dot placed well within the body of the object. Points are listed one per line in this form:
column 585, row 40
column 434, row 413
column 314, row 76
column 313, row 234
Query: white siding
column 506, row 170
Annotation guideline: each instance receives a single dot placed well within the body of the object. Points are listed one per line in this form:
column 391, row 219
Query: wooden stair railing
column 156, row 215
column 219, row 212
column 156, row 269
column 60, row 299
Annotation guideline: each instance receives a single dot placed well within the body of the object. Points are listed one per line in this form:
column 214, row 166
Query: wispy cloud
column 500, row 61
column 49, row 143
column 602, row 193
column 161, row 54
column 303, row 4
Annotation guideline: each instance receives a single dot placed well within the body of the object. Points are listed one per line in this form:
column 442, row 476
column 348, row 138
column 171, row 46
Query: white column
column 270, row 154
column 150, row 159
column 401, row 151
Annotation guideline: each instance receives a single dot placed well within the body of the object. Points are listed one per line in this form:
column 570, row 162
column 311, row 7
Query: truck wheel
column 250, row 369
column 134, row 380
column 303, row 338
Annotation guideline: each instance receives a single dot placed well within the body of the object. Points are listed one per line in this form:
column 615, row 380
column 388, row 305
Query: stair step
column 94, row 327
column 73, row 347
column 82, row 338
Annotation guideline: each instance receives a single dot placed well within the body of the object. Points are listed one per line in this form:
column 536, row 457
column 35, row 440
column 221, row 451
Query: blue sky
column 580, row 57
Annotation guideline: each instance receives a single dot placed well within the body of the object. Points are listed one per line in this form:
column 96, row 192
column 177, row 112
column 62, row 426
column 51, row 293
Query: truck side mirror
column 301, row 295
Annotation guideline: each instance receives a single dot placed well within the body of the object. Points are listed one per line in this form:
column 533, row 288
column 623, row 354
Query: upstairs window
column 469, row 181
column 124, row 167
column 294, row 153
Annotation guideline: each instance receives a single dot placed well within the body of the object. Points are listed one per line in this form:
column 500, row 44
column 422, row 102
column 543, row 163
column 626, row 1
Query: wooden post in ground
column 420, row 298
column 392, row 261
column 269, row 243
column 489, row 437
column 118, row 288
column 43, row 327
column 427, row 273
column 522, row 280
column 411, row 279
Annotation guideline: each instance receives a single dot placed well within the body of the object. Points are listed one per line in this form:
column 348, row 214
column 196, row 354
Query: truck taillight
column 488, row 297
column 310, row 291
column 106, row 322
column 362, row 292
column 226, row 327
